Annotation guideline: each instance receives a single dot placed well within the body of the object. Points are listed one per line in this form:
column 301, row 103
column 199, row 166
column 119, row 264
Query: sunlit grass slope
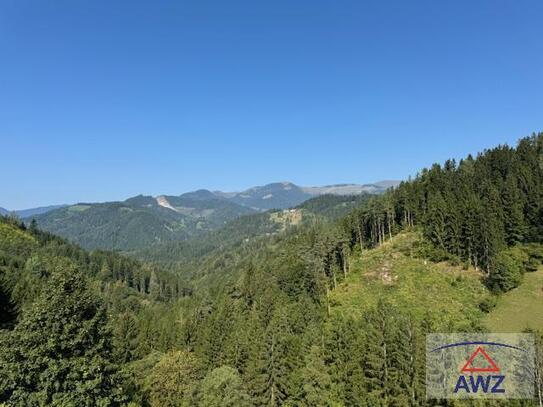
column 519, row 308
column 446, row 293
column 14, row 240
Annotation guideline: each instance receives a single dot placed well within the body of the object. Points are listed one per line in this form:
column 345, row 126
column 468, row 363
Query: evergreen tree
column 505, row 274
column 7, row 309
column 222, row 387
column 272, row 363
column 60, row 353
column 172, row 382
column 515, row 227
column 435, row 219
column 316, row 381
column 344, row 357
column 125, row 337
column 377, row 361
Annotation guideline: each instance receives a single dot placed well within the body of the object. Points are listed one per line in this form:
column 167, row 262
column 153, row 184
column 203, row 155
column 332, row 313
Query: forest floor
column 446, row 294
column 519, row 308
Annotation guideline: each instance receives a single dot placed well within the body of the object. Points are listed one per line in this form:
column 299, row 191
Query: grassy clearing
column 15, row 241
column 446, row 293
column 78, row 208
column 520, row 308
column 287, row 217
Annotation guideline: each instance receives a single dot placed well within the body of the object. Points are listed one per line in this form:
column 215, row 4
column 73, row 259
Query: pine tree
column 505, row 273
column 515, row 227
column 125, row 337
column 60, row 353
column 490, row 236
column 377, row 362
column 435, row 220
column 222, row 387
column 215, row 333
column 316, row 381
column 272, row 363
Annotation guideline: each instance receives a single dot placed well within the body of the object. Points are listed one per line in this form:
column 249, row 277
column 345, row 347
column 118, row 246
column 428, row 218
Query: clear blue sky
column 102, row 100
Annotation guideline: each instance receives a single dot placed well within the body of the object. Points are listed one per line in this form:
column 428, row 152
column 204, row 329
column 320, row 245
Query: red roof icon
column 469, row 368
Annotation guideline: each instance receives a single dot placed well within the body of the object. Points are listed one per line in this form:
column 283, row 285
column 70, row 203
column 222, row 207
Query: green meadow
column 519, row 308
column 445, row 293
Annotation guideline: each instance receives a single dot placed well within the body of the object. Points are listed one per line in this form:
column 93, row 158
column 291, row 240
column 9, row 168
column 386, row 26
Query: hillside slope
column 245, row 229
column 520, row 308
column 392, row 273
column 138, row 222
column 143, row 221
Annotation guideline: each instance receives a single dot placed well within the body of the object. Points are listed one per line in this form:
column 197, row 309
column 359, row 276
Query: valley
column 143, row 221
column 287, row 306
column 271, row 203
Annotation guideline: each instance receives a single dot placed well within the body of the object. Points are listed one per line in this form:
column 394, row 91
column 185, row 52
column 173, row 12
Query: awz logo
column 480, row 365
column 484, row 383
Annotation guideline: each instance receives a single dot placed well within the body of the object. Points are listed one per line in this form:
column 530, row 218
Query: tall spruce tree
column 514, row 224
column 60, row 353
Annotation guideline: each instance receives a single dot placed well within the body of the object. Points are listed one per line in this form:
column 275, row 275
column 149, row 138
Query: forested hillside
column 24, row 213
column 331, row 311
column 83, row 303
column 139, row 222
column 246, row 229
column 471, row 211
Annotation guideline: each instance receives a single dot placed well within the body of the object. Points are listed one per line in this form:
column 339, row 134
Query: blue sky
column 103, row 100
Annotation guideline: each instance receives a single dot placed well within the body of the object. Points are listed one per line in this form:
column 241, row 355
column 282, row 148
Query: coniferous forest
column 325, row 304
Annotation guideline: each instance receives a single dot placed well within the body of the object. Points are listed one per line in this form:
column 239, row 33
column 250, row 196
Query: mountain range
column 26, row 213
column 143, row 221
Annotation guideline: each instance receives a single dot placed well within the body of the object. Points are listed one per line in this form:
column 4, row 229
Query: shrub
column 488, row 304
column 506, row 272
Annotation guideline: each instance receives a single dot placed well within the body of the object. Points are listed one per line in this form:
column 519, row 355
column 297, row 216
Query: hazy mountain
column 214, row 210
column 281, row 195
column 351, row 189
column 202, row 194
column 385, row 184
column 25, row 213
column 143, row 221
column 140, row 221
column 245, row 229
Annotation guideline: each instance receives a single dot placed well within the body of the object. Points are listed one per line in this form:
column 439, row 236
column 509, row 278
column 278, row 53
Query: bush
column 222, row 387
column 488, row 304
column 535, row 256
column 506, row 271
column 426, row 250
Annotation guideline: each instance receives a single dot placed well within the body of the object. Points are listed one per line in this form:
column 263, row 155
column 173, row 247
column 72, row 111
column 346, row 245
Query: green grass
column 448, row 293
column 78, row 208
column 15, row 241
column 520, row 308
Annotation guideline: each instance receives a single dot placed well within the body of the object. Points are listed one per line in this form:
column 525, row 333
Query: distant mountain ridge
column 282, row 195
column 25, row 213
column 143, row 221
column 351, row 189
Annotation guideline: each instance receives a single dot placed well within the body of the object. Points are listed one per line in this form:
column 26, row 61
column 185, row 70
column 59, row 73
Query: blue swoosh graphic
column 452, row 345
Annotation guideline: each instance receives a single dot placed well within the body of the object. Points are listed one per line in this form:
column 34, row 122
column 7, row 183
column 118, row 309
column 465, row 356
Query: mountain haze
column 142, row 221
column 25, row 213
